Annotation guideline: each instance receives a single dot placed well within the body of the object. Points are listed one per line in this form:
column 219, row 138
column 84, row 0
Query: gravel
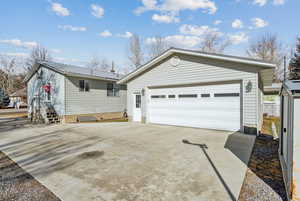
column 264, row 180
column 18, row 185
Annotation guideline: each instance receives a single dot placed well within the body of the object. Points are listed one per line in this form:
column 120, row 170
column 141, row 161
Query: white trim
column 257, row 105
column 211, row 56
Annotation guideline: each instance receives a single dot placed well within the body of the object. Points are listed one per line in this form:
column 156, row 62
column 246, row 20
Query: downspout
column 257, row 104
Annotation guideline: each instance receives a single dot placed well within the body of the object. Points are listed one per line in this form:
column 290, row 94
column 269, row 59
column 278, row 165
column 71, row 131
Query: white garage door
column 211, row 106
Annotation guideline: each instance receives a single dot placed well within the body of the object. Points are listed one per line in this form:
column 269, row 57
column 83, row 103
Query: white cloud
column 106, row 33
column 97, row 11
column 19, row 43
column 59, row 9
column 197, row 30
column 184, row 41
column 238, row 38
column 71, row 28
column 165, row 18
column 260, row 2
column 127, row 34
column 237, row 24
column 63, row 59
column 259, row 23
column 278, row 2
column 179, row 41
column 73, row 61
column 15, row 54
column 56, row 51
column 217, row 22
column 177, row 6
column 147, row 5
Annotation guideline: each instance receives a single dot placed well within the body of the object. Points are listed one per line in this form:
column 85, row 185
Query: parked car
column 4, row 99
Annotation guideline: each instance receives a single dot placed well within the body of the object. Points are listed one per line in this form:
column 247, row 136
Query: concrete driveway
column 131, row 161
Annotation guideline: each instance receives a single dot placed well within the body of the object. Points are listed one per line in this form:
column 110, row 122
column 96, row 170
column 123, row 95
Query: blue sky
column 77, row 30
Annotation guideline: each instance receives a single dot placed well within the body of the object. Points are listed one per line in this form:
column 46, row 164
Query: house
column 196, row 89
column 289, row 150
column 272, row 100
column 19, row 95
column 70, row 92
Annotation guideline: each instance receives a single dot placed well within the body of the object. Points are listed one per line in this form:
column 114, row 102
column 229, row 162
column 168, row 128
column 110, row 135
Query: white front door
column 211, row 106
column 137, row 101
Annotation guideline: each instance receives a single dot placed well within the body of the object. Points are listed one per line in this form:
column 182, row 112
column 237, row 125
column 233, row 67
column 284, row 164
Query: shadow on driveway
column 203, row 147
column 9, row 124
column 16, row 184
column 48, row 152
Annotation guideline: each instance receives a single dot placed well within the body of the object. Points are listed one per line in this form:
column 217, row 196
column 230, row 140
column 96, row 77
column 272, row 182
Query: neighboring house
column 19, row 95
column 73, row 91
column 197, row 89
column 289, row 150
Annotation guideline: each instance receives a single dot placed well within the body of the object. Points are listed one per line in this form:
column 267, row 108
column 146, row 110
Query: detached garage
column 196, row 89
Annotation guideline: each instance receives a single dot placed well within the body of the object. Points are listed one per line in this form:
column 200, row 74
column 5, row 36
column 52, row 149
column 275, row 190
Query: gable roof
column 75, row 71
column 292, row 86
column 266, row 75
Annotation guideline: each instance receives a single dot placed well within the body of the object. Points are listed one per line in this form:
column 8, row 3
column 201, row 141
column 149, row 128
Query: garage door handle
column 284, row 130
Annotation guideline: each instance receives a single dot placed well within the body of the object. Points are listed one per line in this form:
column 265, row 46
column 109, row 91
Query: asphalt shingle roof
column 71, row 70
column 292, row 85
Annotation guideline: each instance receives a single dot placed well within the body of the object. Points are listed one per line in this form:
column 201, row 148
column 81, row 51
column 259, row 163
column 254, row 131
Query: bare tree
column 7, row 70
column 214, row 42
column 135, row 51
column 157, row 46
column 99, row 64
column 38, row 53
column 268, row 48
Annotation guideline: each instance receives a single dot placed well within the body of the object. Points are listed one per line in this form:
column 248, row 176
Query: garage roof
column 266, row 67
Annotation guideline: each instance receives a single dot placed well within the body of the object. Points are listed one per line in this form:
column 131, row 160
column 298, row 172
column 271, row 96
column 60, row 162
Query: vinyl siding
column 94, row 101
column 199, row 70
column 260, row 103
column 56, row 80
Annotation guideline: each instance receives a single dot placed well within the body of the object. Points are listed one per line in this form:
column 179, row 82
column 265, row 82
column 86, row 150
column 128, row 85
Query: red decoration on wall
column 47, row 88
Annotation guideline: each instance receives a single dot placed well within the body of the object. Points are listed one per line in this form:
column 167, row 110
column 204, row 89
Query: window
column 227, row 95
column 138, row 101
column 171, row 96
column 113, row 89
column 84, row 85
column 205, row 95
column 188, row 96
column 158, row 96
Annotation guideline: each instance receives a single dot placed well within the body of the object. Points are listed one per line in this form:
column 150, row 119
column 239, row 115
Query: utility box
column 289, row 149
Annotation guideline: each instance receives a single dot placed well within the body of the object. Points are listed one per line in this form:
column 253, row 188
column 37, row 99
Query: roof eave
column 89, row 76
column 29, row 75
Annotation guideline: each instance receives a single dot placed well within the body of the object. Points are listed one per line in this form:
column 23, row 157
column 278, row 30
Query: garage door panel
column 202, row 112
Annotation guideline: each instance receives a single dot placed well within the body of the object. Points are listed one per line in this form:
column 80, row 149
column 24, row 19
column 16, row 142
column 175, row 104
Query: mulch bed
column 18, row 185
column 264, row 180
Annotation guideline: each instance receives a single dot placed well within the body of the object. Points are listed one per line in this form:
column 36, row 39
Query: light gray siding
column 56, row 80
column 192, row 70
column 296, row 144
column 260, row 103
column 94, row 101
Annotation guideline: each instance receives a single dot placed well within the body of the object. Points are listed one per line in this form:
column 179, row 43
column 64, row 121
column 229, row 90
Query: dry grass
column 267, row 125
column 14, row 115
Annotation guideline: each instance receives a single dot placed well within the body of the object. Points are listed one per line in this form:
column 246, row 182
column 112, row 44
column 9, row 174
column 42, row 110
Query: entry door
column 210, row 106
column 137, row 114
